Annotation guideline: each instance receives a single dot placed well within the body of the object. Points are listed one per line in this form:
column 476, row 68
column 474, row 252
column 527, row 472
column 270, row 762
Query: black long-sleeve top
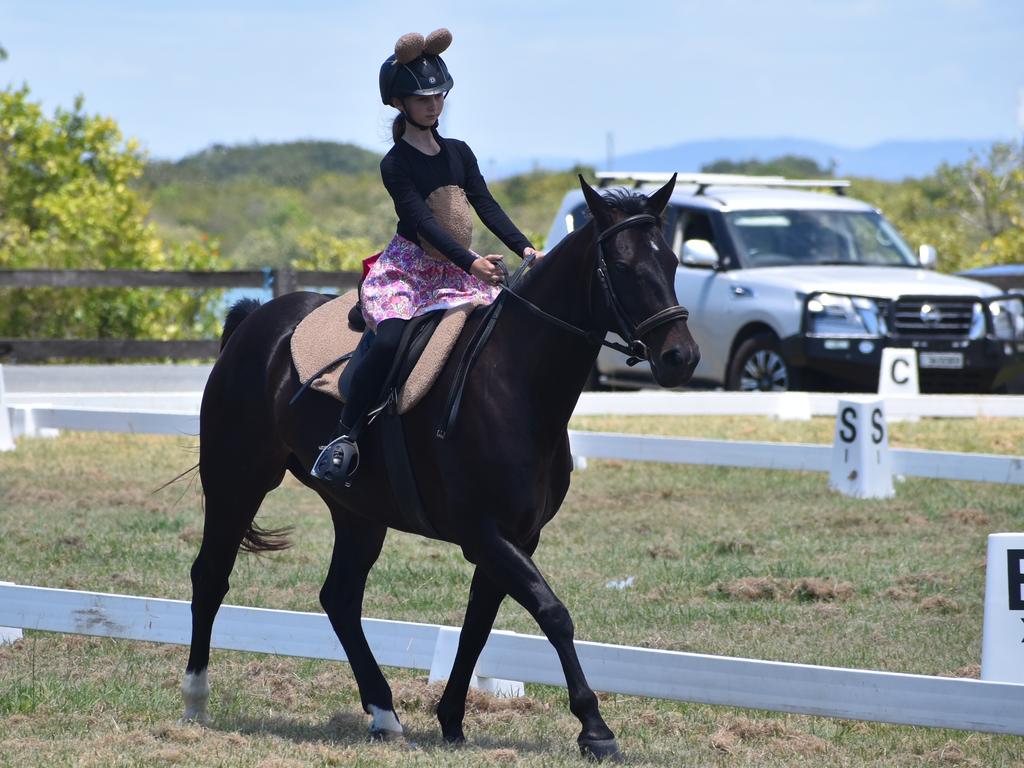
column 426, row 188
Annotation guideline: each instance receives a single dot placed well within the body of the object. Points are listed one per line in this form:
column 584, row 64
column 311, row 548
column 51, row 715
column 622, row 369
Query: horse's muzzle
column 676, row 365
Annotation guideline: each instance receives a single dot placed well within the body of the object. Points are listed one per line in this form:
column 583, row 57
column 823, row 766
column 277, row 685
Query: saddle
column 326, row 348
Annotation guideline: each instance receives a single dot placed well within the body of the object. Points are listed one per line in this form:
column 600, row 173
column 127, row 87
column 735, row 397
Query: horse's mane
column 626, row 200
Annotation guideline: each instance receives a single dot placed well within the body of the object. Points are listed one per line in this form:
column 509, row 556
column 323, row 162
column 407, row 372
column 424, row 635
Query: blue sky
column 536, row 78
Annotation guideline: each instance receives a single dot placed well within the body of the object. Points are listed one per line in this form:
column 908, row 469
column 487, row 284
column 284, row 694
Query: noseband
column 632, row 333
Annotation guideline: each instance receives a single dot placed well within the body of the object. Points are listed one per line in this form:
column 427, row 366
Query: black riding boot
column 339, row 459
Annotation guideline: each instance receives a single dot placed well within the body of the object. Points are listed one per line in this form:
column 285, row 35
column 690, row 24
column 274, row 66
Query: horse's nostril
column 678, row 358
column 673, row 357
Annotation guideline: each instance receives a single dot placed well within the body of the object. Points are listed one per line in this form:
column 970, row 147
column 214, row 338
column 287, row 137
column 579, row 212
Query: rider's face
column 425, row 110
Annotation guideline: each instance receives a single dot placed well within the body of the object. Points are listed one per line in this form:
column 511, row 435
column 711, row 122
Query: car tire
column 758, row 365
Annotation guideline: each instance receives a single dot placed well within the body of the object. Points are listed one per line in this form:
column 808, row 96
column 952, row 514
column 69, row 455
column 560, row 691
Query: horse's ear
column 657, row 202
column 599, row 207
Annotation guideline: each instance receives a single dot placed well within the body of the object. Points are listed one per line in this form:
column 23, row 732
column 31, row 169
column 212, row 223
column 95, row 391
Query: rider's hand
column 486, row 269
column 537, row 255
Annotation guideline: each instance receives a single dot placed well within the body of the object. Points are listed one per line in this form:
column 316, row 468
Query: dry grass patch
column 969, row 516
column 972, row 671
column 765, row 737
column 768, row 588
column 730, row 547
column 940, row 604
column 663, row 552
column 421, row 696
column 950, row 753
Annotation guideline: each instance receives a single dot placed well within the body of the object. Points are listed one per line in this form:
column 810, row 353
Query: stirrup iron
column 337, row 462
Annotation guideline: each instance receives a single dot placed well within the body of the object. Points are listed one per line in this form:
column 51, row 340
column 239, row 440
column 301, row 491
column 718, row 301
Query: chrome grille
column 935, row 316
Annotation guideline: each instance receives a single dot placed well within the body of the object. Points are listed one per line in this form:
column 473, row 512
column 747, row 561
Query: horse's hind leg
column 357, row 545
column 229, row 512
column 484, row 600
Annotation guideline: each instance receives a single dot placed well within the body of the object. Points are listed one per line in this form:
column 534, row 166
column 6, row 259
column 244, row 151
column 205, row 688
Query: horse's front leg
column 512, row 570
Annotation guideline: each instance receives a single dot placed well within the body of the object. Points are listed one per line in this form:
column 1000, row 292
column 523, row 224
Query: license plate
column 940, row 359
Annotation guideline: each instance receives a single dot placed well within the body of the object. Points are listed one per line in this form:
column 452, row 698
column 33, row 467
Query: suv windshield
column 774, row 238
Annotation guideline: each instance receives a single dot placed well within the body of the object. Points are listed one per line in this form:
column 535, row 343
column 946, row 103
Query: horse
column 490, row 497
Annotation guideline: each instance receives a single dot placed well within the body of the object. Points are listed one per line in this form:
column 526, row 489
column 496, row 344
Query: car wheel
column 758, row 366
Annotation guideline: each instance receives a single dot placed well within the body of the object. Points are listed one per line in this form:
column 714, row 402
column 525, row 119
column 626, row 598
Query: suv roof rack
column 705, row 180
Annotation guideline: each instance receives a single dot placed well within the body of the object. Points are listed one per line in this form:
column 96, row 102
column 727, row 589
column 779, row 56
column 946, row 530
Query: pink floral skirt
column 406, row 281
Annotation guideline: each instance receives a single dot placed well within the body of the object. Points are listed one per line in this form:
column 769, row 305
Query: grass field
column 749, row 563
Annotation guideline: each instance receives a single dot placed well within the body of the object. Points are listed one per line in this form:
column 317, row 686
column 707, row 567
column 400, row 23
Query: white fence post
column 444, row 659
column 1002, row 637
column 6, row 436
column 9, row 634
column 861, row 465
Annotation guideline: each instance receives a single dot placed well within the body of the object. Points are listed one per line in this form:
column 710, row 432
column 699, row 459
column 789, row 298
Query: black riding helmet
column 416, row 67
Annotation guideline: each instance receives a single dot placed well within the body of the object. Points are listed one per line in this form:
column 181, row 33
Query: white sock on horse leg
column 384, row 720
column 195, row 690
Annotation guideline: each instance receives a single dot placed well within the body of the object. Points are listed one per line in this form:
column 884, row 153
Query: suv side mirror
column 928, row 256
column 699, row 253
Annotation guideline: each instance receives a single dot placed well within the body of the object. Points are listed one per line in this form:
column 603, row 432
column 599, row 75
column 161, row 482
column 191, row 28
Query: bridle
column 633, row 333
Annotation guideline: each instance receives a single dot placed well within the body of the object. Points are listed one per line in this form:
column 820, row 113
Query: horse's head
column 634, row 287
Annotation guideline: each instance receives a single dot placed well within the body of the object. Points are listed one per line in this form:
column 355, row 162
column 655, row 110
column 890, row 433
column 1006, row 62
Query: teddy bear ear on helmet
column 409, row 47
column 437, row 42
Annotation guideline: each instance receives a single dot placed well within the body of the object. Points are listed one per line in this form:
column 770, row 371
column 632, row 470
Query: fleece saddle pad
column 325, row 335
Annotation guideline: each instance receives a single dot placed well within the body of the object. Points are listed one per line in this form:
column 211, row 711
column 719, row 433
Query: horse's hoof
column 454, row 739
column 600, row 750
column 393, row 737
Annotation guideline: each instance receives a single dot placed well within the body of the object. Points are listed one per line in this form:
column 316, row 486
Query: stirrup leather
column 337, row 462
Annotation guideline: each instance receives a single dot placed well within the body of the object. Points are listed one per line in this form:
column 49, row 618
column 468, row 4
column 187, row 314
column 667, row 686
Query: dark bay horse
column 489, row 487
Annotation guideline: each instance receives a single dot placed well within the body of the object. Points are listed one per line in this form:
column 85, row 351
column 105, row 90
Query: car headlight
column 1007, row 318
column 830, row 314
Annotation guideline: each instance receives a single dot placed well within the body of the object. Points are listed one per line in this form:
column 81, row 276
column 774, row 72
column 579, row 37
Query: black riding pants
column 368, row 380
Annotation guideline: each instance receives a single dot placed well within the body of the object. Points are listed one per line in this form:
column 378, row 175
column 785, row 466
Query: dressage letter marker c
column 897, row 374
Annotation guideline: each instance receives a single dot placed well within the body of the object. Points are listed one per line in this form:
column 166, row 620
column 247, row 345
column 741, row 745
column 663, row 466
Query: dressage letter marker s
column 1002, row 640
column 860, row 454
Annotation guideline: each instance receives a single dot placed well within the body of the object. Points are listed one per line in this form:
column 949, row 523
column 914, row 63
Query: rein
column 632, row 333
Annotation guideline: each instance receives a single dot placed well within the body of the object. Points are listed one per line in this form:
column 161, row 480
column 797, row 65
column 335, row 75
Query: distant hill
column 890, row 160
column 293, row 164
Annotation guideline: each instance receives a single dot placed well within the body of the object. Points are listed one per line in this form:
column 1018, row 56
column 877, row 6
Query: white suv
column 791, row 289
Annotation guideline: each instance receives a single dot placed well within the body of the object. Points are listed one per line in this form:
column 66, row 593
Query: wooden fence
column 278, row 281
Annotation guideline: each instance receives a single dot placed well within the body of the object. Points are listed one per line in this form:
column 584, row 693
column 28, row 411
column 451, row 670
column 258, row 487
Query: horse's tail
column 257, row 540
column 240, row 310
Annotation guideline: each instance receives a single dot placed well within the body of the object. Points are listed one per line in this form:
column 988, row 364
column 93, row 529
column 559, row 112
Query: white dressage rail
column 980, row 467
column 886, row 697
column 793, row 405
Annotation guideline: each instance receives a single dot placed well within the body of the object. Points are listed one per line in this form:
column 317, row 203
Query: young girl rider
column 428, row 264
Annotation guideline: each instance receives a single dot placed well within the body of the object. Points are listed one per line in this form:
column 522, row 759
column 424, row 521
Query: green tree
column 791, row 166
column 972, row 212
column 987, row 194
column 66, row 203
